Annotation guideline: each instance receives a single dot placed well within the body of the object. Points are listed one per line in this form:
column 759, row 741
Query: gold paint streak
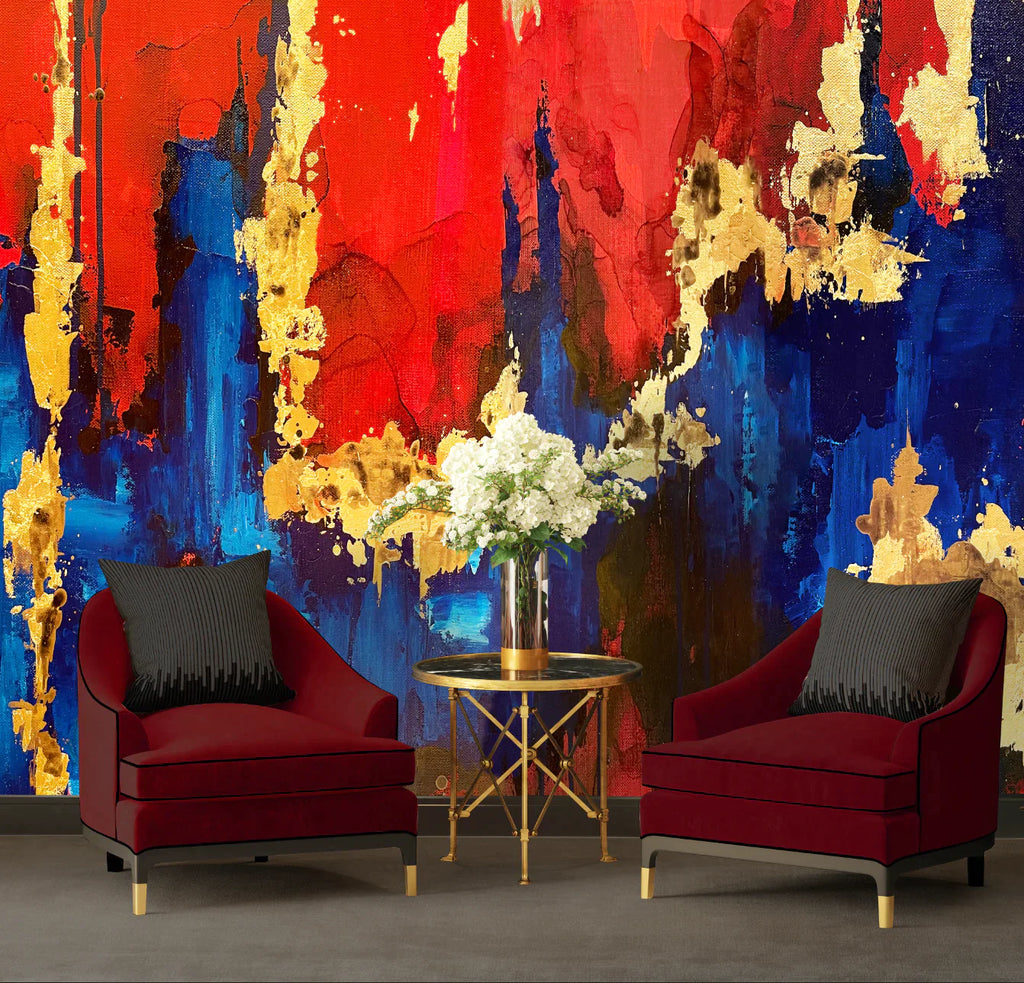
column 414, row 118
column 718, row 229
column 357, row 550
column 515, row 11
column 862, row 264
column 453, row 45
column 34, row 509
column 33, row 526
column 902, row 536
column 34, row 520
column 505, row 398
column 908, row 549
column 281, row 246
column 997, row 539
column 48, row 333
column 941, row 110
column 348, row 485
column 429, row 555
column 839, row 94
column 281, row 486
column 677, row 432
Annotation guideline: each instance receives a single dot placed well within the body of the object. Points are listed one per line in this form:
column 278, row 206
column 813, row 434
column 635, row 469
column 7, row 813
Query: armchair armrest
column 326, row 687
column 955, row 750
column 758, row 694
column 107, row 730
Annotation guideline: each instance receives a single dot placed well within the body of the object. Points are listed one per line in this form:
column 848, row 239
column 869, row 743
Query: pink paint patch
column 612, row 644
column 807, row 232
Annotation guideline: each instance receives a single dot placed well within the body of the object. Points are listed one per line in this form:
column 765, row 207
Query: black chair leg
column 114, row 864
column 261, row 860
column 976, row 871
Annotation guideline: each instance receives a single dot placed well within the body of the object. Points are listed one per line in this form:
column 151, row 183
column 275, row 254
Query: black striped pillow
column 886, row 649
column 197, row 634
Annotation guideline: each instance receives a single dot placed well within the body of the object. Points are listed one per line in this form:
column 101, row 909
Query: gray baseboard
column 563, row 818
column 58, row 815
column 1011, row 817
column 46, row 815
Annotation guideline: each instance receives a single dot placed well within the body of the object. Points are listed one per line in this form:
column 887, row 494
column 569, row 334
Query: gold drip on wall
column 34, row 509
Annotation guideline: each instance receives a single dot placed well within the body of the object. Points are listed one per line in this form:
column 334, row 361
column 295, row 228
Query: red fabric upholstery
column 240, row 749
column 956, row 749
column 839, row 760
column 326, row 687
column 107, row 731
column 740, row 770
column 236, row 819
column 882, row 836
column 763, row 692
column 325, row 763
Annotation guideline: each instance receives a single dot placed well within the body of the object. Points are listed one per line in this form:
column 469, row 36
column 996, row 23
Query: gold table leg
column 602, row 724
column 524, row 824
column 453, row 800
column 528, row 755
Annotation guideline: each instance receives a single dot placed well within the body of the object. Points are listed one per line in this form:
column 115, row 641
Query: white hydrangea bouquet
column 519, row 493
column 520, row 489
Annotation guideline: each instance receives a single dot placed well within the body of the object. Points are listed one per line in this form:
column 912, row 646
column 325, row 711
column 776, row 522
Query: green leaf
column 500, row 554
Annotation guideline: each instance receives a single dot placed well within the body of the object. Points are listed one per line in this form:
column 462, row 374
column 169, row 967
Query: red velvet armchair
column 841, row 791
column 320, row 772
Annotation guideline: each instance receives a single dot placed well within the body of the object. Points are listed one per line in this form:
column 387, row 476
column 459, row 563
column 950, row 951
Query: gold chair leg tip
column 886, row 910
column 646, row 883
column 138, row 899
column 410, row 881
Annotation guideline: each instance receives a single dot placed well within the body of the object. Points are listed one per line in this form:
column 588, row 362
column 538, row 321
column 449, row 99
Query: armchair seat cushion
column 834, row 760
column 237, row 819
column 237, row 749
column 882, row 836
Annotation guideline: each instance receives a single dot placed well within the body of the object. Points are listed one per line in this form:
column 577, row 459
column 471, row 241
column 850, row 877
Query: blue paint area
column 23, row 427
column 466, row 617
column 536, row 320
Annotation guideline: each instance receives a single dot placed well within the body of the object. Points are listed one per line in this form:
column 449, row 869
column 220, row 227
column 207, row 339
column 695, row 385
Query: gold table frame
column 592, row 675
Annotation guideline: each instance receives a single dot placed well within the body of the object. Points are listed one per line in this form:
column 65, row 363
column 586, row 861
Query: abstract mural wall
column 264, row 262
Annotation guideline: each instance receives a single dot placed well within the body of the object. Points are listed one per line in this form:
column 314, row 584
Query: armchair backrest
column 981, row 650
column 104, row 662
column 955, row 750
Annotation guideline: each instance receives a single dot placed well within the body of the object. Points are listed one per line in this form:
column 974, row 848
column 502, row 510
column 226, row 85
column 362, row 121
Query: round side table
column 593, row 676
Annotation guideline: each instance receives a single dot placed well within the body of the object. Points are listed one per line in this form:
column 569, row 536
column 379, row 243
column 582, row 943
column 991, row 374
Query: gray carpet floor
column 344, row 917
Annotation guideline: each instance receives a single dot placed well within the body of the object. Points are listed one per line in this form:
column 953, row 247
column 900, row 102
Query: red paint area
column 630, row 95
column 762, row 81
column 26, row 27
column 200, row 120
column 411, row 231
column 159, row 65
column 912, row 39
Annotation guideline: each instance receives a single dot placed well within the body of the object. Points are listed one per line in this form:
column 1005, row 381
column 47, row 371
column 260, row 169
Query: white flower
column 503, row 488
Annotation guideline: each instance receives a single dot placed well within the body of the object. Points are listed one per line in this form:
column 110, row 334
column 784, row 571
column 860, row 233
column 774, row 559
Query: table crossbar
column 593, row 676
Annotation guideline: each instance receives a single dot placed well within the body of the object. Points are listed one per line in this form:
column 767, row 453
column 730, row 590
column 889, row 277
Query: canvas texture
column 886, row 649
column 197, row 634
column 263, row 263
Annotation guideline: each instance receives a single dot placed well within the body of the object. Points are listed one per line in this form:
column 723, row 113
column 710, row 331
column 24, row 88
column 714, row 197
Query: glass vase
column 524, row 612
